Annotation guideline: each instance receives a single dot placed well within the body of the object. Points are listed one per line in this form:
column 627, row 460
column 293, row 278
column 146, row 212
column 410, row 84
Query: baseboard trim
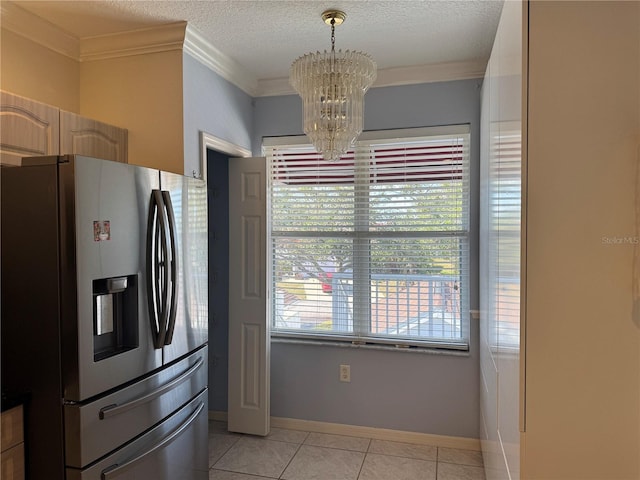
column 369, row 432
column 217, row 415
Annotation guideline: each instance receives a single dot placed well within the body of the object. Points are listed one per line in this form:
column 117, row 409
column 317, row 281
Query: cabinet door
column 84, row 136
column 12, row 463
column 27, row 128
column 12, row 456
column 11, row 427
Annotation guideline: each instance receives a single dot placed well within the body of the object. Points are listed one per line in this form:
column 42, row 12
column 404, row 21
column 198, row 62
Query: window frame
column 366, row 337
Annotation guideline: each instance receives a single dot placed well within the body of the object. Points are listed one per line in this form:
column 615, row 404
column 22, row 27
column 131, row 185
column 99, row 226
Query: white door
column 248, row 410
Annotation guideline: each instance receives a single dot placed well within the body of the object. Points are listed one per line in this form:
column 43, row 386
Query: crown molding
column 136, row 42
column 34, row 28
column 155, row 39
column 388, row 77
column 181, row 36
column 270, row 87
column 202, row 50
column 436, row 72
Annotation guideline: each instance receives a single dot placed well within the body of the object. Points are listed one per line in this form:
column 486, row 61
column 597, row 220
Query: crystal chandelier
column 332, row 86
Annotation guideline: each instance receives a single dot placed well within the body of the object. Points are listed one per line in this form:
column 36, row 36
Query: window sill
column 370, row 346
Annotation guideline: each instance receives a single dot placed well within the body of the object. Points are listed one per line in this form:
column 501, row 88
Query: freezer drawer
column 94, row 429
column 176, row 449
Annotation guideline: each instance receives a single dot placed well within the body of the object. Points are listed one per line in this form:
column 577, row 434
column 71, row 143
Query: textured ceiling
column 266, row 36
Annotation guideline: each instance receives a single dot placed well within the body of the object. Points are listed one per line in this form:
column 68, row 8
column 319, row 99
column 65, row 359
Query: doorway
column 218, row 233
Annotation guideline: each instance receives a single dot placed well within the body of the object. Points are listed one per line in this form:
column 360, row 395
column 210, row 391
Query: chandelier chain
column 333, row 34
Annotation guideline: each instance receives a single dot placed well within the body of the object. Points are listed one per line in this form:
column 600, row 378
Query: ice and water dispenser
column 115, row 316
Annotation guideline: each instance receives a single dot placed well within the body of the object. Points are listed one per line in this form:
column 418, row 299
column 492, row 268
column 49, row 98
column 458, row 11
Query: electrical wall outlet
column 345, row 373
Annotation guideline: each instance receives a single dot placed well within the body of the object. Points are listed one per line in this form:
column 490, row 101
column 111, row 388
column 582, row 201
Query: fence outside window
column 373, row 248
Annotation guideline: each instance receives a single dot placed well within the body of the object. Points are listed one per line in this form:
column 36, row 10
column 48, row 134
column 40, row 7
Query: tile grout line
column 407, row 456
column 224, row 453
column 339, row 448
column 364, row 459
column 293, row 456
column 365, row 452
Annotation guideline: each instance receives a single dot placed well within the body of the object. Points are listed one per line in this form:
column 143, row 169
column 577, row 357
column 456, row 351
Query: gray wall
column 215, row 106
column 428, row 393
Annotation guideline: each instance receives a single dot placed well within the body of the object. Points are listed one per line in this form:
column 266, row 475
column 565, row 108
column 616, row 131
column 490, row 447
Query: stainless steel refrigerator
column 104, row 318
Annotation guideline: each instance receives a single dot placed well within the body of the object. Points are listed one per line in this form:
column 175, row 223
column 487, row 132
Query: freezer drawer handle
column 115, row 409
column 114, row 470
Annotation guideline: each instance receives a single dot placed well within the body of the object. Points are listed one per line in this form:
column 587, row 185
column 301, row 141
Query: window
column 373, row 248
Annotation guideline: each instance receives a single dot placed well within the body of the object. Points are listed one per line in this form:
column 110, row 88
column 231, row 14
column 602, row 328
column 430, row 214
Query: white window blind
column 373, row 248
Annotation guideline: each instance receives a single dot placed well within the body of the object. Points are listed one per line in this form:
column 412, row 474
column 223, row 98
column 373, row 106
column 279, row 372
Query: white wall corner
column 32, row 27
column 202, row 50
column 155, row 39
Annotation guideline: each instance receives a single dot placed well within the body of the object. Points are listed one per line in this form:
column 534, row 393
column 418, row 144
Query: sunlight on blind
column 374, row 247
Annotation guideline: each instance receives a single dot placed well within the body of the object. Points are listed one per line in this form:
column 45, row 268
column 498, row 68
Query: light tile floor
column 294, row 455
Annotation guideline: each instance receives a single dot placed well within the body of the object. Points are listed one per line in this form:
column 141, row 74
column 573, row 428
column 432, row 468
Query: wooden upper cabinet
column 27, row 128
column 84, row 136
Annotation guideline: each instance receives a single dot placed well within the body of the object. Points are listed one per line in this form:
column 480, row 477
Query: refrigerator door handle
column 115, row 409
column 173, row 266
column 157, row 274
column 113, row 471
